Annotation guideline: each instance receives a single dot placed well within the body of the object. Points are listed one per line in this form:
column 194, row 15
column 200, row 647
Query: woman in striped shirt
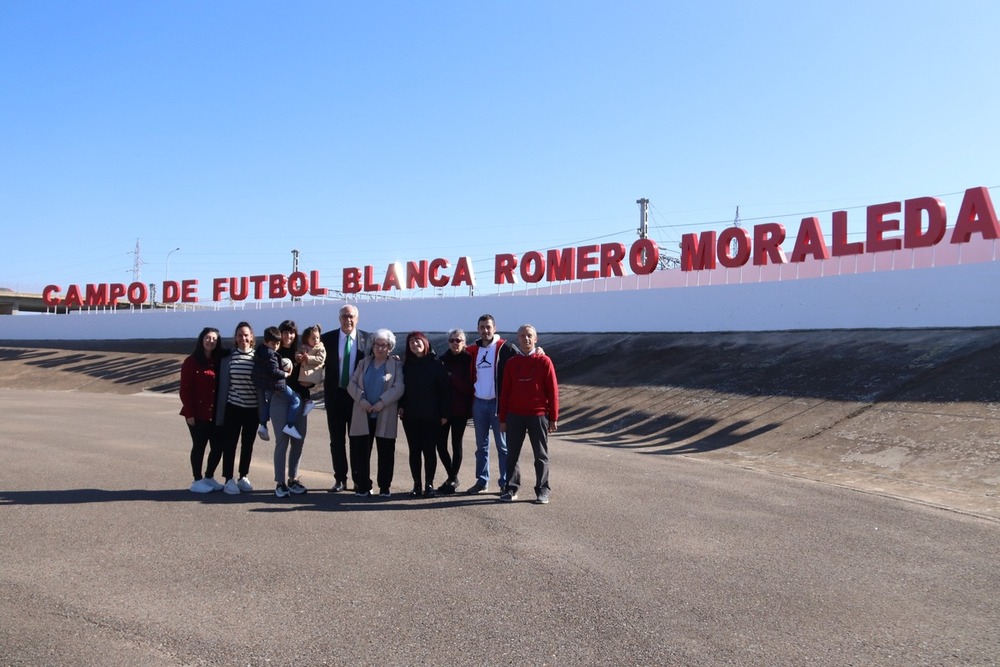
column 236, row 409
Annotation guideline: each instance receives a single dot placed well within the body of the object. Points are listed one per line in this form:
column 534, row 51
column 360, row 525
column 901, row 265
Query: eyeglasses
column 381, row 346
column 455, row 340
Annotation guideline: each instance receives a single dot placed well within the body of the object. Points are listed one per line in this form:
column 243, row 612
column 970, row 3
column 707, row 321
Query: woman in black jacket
column 424, row 408
column 458, row 363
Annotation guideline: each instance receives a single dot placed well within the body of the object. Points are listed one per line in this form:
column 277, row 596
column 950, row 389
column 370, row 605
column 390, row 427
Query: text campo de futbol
column 924, row 222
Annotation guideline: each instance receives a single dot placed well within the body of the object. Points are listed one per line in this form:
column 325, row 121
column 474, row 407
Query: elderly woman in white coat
column 376, row 387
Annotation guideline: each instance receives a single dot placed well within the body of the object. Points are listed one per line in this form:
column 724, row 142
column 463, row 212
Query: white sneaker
column 292, row 432
column 244, row 485
column 215, row 485
column 201, row 486
column 231, row 488
column 309, row 407
column 262, row 433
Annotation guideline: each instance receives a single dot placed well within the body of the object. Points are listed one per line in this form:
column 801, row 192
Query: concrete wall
column 951, row 295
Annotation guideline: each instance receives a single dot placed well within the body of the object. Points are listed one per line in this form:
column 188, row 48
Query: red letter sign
column 503, row 271
column 698, row 253
column 913, row 234
column 810, row 241
column 976, row 216
column 767, row 240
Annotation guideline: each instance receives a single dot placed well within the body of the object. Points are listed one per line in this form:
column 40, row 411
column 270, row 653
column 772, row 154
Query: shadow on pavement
column 313, row 501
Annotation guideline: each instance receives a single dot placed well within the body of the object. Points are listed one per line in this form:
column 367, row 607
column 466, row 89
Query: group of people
column 228, row 397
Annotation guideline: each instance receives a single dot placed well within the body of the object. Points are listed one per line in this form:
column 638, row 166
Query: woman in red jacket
column 199, row 385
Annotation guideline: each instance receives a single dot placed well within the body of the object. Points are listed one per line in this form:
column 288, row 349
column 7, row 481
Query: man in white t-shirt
column 489, row 355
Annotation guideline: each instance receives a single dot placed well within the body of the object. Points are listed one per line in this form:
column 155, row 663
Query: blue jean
column 294, row 404
column 484, row 419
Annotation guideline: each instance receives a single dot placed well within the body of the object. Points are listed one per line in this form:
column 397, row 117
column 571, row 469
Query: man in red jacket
column 529, row 403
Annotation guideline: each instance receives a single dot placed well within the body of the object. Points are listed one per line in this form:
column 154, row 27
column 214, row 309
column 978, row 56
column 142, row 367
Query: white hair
column 386, row 335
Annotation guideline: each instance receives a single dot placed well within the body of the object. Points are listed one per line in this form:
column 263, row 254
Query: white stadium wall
column 951, row 286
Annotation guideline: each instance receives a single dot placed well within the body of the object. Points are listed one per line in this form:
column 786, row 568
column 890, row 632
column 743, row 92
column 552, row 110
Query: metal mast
column 136, row 263
column 734, row 247
column 643, row 217
column 643, row 222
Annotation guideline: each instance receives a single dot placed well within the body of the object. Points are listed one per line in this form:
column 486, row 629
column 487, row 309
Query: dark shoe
column 474, row 489
column 446, row 489
column 339, row 486
column 430, row 491
column 415, row 493
column 281, row 491
column 295, row 486
column 543, row 497
column 508, row 496
column 384, row 493
column 363, row 494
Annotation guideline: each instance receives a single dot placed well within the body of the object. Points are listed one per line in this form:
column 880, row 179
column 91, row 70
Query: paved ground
column 770, row 499
column 638, row 560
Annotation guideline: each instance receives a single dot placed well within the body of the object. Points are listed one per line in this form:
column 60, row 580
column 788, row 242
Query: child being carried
column 269, row 374
column 312, row 362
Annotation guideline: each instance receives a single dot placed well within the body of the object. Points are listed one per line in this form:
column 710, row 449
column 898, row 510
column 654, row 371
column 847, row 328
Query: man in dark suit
column 339, row 404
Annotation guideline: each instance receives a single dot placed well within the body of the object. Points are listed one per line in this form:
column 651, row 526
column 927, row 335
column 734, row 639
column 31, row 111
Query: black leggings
column 204, row 433
column 451, row 462
column 421, row 438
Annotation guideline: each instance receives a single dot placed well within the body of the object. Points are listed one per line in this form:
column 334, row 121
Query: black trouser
column 451, row 462
column 537, row 429
column 422, row 437
column 339, row 406
column 240, row 426
column 204, row 433
column 361, row 457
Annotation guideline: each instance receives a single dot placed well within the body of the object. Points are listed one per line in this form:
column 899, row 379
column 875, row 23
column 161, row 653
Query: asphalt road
column 640, row 559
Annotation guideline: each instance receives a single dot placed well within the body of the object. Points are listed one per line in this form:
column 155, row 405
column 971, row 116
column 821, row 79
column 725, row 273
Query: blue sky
column 370, row 132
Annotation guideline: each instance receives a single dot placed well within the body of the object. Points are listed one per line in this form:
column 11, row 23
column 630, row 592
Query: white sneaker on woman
column 231, row 488
column 215, row 485
column 244, row 485
column 201, row 486
column 293, row 432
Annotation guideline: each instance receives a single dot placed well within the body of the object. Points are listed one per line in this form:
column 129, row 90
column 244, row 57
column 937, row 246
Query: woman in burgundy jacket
column 199, row 385
column 459, row 365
